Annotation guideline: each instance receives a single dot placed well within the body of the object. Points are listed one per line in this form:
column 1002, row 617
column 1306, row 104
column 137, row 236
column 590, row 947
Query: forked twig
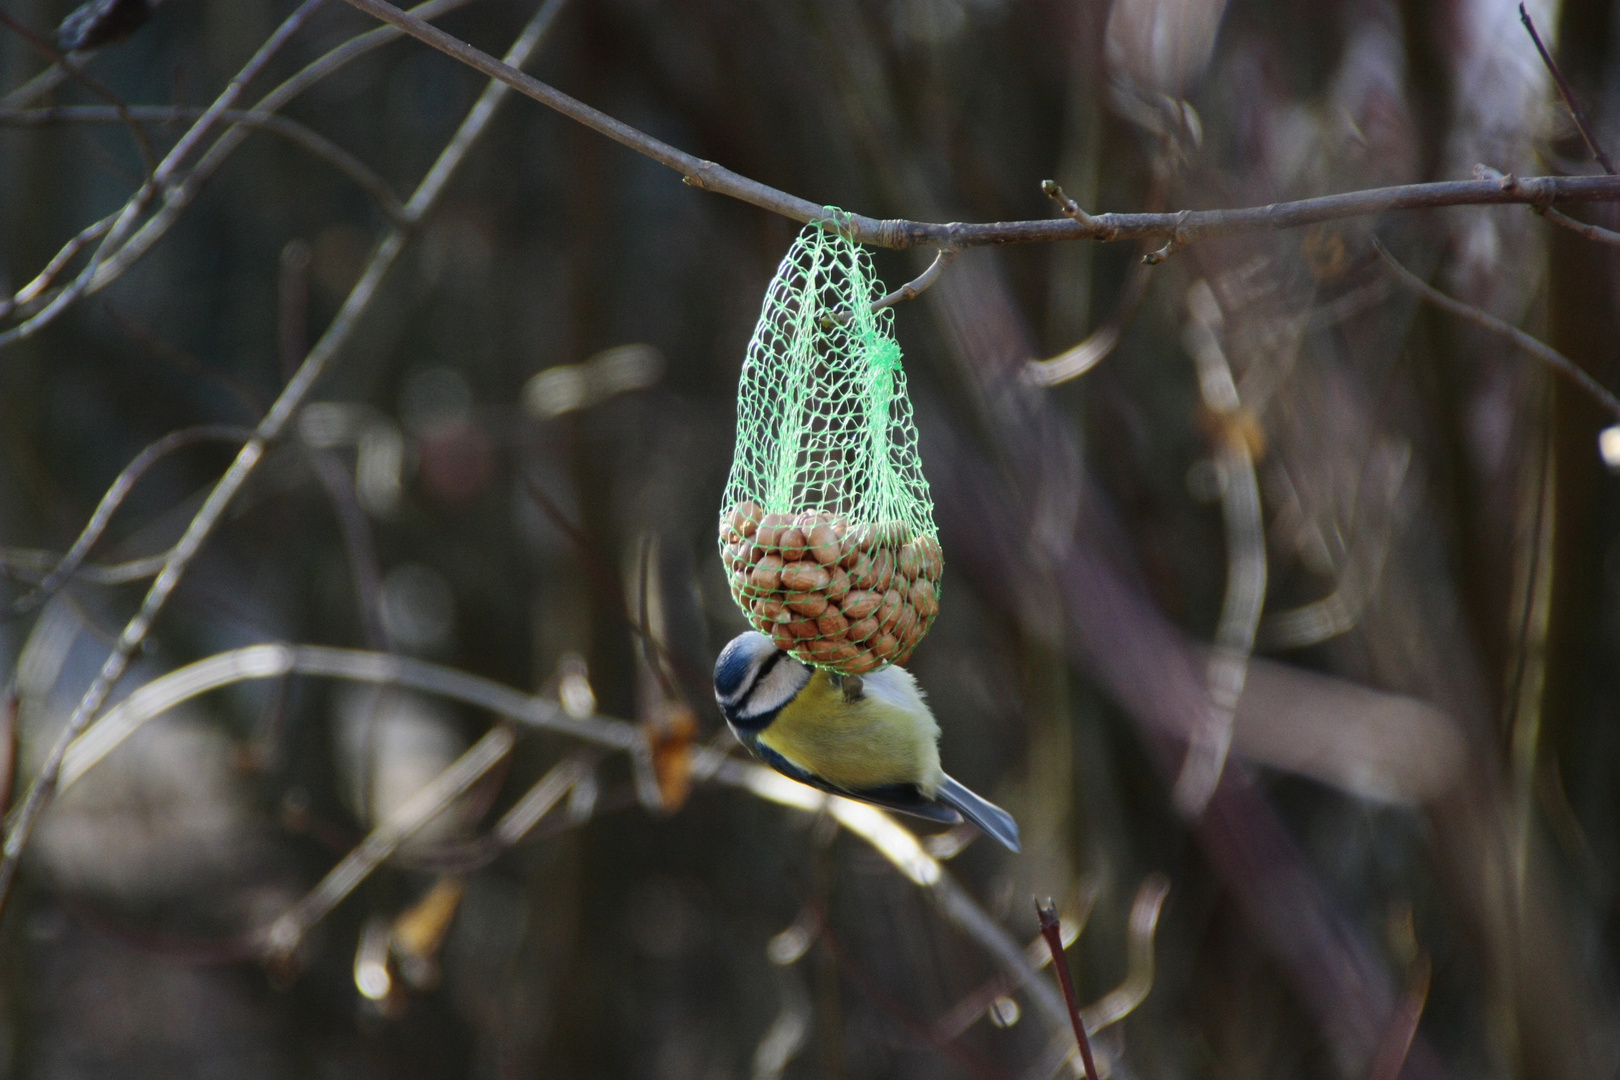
column 159, row 181
column 275, row 422
column 284, row 935
column 301, row 135
column 1549, row 356
column 181, row 193
column 1052, row 930
column 1185, row 227
column 142, row 145
column 885, row 835
column 1591, row 232
column 114, row 497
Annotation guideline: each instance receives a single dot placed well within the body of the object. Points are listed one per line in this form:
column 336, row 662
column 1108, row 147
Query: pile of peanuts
column 851, row 598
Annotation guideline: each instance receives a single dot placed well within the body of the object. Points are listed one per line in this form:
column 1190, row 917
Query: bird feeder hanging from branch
column 826, row 528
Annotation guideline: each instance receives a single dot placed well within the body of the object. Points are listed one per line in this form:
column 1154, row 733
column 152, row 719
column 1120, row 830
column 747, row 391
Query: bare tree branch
column 1545, row 353
column 271, row 427
column 181, row 194
column 34, row 565
column 300, row 134
column 160, row 178
column 114, row 497
column 283, row 936
column 72, row 71
column 1181, row 228
column 892, row 840
column 1591, row 232
column 1575, row 111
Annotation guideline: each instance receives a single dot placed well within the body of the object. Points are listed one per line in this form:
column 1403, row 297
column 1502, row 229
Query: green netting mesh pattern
column 826, row 527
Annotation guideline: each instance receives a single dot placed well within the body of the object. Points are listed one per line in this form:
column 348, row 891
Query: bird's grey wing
column 904, row 798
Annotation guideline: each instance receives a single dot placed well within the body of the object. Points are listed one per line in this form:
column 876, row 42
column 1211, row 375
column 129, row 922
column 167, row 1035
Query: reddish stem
column 1052, row 931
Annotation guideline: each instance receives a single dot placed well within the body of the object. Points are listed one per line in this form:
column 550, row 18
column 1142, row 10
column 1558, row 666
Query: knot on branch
column 1176, row 242
column 895, row 233
column 1540, row 192
column 699, row 177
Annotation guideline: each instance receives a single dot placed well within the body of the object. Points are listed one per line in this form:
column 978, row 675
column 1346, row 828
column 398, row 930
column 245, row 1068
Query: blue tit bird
column 871, row 737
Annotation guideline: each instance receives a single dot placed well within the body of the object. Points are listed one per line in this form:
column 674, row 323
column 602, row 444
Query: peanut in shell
column 806, row 576
column 852, row 597
column 766, row 576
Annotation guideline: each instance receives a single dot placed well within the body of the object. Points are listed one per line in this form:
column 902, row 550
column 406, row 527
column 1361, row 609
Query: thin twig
column 915, row 288
column 283, row 935
column 275, row 422
column 46, row 277
column 33, row 564
column 180, row 195
column 254, row 662
column 160, row 178
column 573, row 777
column 1545, row 353
column 1121, row 1001
column 338, row 482
column 40, row 84
column 114, row 497
column 1184, row 227
column 300, row 135
column 1052, row 930
column 1591, row 232
column 142, row 145
column 1076, row 361
column 1228, row 666
column 1052, row 191
column 1575, row 111
column 184, row 363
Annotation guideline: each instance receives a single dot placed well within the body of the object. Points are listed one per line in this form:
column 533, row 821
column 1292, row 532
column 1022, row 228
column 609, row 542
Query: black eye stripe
column 765, row 669
column 746, row 688
column 746, row 691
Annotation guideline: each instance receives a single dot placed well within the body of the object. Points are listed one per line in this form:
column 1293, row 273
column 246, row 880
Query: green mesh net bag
column 826, row 528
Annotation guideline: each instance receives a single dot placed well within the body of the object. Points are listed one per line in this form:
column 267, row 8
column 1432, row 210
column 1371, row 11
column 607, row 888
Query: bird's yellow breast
column 858, row 744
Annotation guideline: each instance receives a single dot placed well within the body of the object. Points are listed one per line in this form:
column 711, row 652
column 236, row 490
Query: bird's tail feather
column 989, row 817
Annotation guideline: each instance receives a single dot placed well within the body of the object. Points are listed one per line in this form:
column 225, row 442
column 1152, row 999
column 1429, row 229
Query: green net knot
column 826, row 527
column 836, row 221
